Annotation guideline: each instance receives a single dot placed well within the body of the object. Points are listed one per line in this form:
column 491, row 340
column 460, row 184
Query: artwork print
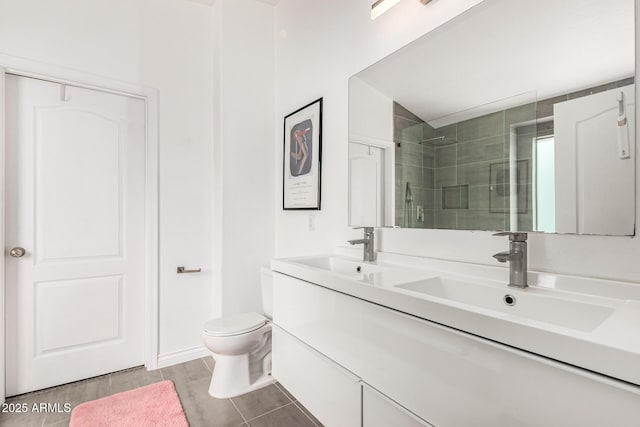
column 301, row 158
column 301, row 149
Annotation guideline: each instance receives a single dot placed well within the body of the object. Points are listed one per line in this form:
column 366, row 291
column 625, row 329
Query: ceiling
column 503, row 53
column 210, row 2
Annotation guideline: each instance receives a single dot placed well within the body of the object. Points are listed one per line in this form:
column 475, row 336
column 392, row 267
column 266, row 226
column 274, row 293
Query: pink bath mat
column 154, row 405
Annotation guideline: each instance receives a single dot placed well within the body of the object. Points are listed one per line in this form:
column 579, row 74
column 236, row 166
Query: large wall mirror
column 516, row 115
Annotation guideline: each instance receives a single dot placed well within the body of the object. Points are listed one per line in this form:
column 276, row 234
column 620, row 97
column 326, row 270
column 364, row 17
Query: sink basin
column 341, row 265
column 523, row 305
column 379, row 275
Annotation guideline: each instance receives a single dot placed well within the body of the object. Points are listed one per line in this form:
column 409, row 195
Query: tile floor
column 271, row 406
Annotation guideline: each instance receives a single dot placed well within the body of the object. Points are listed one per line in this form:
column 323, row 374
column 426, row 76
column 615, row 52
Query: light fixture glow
column 381, row 6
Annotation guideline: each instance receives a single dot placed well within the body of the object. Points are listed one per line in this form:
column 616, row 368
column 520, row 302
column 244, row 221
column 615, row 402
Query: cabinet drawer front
column 331, row 393
column 326, row 320
column 453, row 379
column 380, row 411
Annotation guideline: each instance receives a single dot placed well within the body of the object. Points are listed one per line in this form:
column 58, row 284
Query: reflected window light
column 545, row 193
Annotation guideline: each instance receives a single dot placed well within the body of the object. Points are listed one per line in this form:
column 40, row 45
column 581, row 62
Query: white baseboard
column 182, row 356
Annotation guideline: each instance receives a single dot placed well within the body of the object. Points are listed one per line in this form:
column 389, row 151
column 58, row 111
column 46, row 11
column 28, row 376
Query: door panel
column 96, row 321
column 75, row 203
column 92, row 228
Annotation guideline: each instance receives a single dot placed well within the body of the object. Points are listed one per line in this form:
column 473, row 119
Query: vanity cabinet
column 325, row 388
column 445, row 377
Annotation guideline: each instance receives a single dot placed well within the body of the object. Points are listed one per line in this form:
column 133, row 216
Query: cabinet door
column 380, row 411
column 330, row 392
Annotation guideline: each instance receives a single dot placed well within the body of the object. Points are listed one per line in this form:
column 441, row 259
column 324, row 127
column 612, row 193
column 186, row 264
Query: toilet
column 241, row 347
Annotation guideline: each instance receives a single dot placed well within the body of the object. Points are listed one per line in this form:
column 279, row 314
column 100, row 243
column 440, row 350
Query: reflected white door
column 595, row 183
column 366, row 185
column 75, row 203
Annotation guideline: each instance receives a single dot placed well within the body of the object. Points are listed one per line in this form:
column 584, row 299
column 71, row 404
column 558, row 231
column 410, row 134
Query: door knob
column 17, row 252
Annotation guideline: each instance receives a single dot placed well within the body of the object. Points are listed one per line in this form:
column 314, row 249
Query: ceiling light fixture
column 381, row 6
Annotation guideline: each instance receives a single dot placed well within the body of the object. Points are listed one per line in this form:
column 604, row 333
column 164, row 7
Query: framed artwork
column 499, row 186
column 302, row 158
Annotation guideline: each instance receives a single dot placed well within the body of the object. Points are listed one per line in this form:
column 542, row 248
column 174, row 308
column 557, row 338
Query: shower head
column 440, row 140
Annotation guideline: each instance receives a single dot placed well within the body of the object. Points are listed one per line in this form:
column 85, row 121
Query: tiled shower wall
column 453, row 182
column 415, row 164
column 439, row 171
column 483, row 146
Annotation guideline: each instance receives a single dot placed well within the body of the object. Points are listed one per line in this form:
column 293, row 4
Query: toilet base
column 236, row 375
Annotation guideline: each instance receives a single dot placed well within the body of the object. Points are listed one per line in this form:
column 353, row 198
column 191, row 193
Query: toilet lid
column 234, row 325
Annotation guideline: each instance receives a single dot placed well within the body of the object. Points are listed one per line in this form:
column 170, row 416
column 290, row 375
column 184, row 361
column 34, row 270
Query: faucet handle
column 513, row 236
column 366, row 229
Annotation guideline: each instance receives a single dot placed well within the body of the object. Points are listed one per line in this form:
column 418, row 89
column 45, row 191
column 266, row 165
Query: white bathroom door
column 75, row 168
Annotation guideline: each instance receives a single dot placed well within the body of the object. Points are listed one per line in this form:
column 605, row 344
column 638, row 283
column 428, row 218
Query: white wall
column 245, row 168
column 315, row 57
column 319, row 45
column 164, row 44
column 370, row 112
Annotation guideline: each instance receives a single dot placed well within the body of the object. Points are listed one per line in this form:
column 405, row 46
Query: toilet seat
column 234, row 325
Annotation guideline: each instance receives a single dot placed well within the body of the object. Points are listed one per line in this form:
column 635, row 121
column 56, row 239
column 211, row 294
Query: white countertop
column 612, row 347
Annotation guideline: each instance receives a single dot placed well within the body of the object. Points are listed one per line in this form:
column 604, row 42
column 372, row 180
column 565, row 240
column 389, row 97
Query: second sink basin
column 529, row 304
column 374, row 274
column 341, row 265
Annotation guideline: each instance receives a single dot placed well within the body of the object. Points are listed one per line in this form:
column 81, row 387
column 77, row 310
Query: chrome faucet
column 368, row 251
column 517, row 257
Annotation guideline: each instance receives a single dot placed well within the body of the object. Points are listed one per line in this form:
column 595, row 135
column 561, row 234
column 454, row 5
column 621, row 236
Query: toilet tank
column 266, row 279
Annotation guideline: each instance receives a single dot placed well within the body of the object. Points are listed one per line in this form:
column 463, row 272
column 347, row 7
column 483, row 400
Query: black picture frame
column 302, row 158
